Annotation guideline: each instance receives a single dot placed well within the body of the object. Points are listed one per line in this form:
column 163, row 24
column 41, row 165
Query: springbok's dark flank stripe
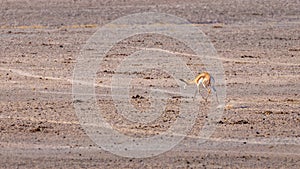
column 207, row 82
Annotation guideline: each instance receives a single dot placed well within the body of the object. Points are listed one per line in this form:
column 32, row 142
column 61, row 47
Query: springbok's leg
column 215, row 91
column 197, row 89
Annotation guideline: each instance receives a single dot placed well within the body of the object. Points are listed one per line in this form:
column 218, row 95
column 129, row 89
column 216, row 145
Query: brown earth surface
column 258, row 44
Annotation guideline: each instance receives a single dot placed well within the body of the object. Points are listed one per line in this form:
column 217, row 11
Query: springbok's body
column 207, row 81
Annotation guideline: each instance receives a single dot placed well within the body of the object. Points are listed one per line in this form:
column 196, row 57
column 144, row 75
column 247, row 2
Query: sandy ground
column 258, row 44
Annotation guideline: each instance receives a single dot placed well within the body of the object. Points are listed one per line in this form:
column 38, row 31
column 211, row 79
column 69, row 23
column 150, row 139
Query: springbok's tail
column 186, row 82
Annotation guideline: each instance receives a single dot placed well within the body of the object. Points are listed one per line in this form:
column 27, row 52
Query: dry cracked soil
column 258, row 48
